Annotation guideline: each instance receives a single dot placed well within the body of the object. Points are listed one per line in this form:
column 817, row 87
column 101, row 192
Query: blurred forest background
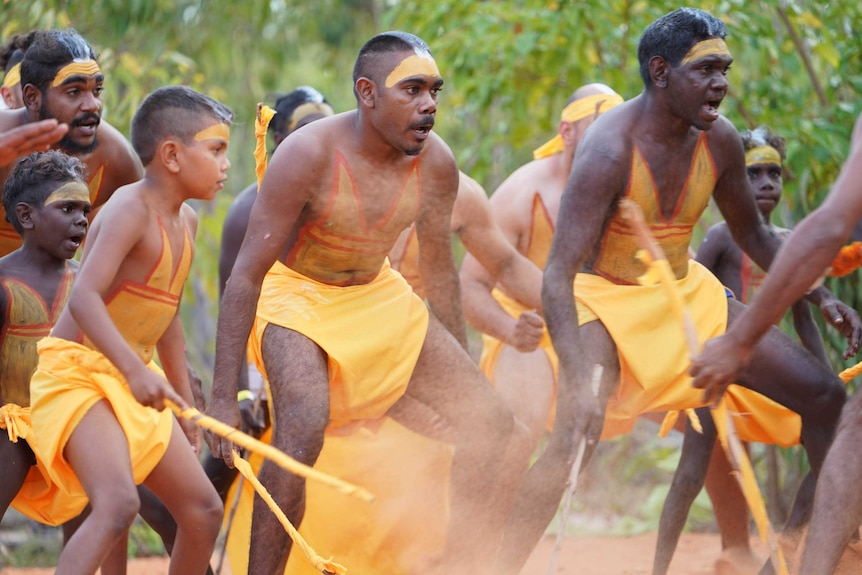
column 509, row 66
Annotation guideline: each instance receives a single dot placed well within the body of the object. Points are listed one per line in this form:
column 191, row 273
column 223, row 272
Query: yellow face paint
column 307, row 109
column 72, row 191
column 762, row 155
column 415, row 65
column 215, row 131
column 76, row 68
column 13, row 76
column 711, row 47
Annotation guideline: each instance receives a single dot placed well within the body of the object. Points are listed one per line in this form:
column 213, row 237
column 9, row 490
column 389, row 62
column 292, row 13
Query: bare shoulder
column 438, row 156
column 307, row 153
column 725, row 144
column 470, row 189
column 114, row 146
column 719, row 234
column 438, row 168
column 520, row 184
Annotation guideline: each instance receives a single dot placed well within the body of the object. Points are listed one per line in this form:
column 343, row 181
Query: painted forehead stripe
column 75, row 68
column 418, row 64
column 711, row 47
column 762, row 155
column 305, row 110
column 216, row 131
column 71, row 191
column 13, row 76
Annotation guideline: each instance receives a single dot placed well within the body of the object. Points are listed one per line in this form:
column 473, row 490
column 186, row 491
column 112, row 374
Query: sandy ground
column 696, row 555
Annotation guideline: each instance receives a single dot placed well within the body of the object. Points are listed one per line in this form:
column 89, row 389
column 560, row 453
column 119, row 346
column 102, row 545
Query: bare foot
column 738, row 561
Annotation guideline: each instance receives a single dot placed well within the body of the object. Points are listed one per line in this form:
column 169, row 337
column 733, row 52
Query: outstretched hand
column 718, row 365
column 845, row 319
column 29, row 138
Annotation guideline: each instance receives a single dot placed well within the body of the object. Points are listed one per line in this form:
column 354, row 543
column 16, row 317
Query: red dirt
column 696, row 555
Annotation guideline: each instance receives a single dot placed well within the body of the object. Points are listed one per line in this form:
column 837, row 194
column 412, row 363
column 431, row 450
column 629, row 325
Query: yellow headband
column 414, row 65
column 578, row 110
column 216, row 131
column 762, row 155
column 74, row 68
column 307, row 109
column 13, row 76
column 74, row 191
column 711, row 47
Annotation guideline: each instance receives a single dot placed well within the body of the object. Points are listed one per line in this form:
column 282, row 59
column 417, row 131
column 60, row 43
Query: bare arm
column 735, row 199
column 436, row 263
column 711, row 249
column 483, row 238
column 806, row 329
column 109, row 244
column 284, row 193
column 597, row 181
column 805, row 255
column 486, row 315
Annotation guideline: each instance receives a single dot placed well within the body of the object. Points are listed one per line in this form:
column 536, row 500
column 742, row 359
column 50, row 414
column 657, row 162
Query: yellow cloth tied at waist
column 372, row 334
column 68, row 381
column 491, row 347
column 15, row 420
column 654, row 358
column 37, row 493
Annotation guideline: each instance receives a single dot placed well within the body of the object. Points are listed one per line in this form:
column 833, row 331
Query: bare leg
column 299, row 382
column 728, row 502
column 526, row 383
column 491, row 452
column 539, row 495
column 838, row 499
column 181, row 484
column 781, row 370
column 17, row 460
column 110, row 488
column 687, row 483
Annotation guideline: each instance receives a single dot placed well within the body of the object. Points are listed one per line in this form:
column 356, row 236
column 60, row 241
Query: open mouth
column 87, row 126
column 711, row 109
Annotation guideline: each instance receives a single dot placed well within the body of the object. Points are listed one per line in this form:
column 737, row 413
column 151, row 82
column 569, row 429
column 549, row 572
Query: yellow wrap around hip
column 372, row 334
column 68, row 381
column 651, row 346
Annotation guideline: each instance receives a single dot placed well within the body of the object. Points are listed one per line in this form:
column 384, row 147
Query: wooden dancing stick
column 572, row 483
column 730, row 441
column 268, row 451
column 325, row 566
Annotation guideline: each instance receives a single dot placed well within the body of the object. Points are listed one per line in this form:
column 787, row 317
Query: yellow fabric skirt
column 409, row 477
column 491, row 348
column 68, row 381
column 371, row 333
column 654, row 359
column 37, row 492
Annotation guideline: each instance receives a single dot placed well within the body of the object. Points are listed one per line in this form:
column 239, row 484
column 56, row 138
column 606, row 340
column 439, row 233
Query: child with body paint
column 96, row 383
column 48, row 203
